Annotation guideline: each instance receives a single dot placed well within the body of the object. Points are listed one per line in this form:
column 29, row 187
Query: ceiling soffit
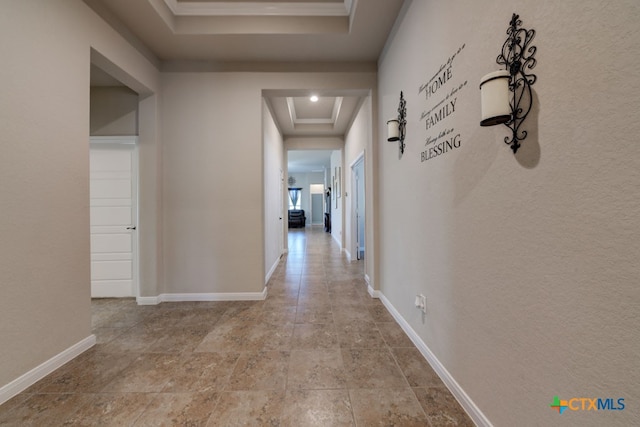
column 324, row 112
column 207, row 18
column 255, row 8
column 310, row 36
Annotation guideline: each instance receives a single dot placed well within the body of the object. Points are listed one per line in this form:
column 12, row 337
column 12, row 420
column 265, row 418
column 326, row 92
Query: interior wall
column 528, row 261
column 113, row 111
column 337, row 198
column 274, row 191
column 150, row 241
column 317, row 205
column 44, row 178
column 304, row 180
column 358, row 140
column 213, row 179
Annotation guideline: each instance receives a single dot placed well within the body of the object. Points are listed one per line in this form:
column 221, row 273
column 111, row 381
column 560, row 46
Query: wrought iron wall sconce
column 396, row 128
column 514, row 82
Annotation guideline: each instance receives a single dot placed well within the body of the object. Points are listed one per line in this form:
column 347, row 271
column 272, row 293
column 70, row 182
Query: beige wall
column 213, row 179
column 337, row 204
column 359, row 140
column 113, row 111
column 274, row 191
column 529, row 262
column 44, row 175
column 304, row 180
column 150, row 241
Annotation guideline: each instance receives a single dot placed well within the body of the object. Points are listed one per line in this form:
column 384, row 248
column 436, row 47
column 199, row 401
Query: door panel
column 317, row 215
column 111, row 216
column 359, row 208
column 112, row 188
column 111, row 270
column 113, row 219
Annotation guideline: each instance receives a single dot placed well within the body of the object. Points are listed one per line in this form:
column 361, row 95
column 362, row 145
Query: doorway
column 317, row 204
column 113, row 216
column 358, row 206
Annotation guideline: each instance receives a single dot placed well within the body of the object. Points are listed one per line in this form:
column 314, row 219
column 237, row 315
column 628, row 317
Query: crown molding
column 259, row 8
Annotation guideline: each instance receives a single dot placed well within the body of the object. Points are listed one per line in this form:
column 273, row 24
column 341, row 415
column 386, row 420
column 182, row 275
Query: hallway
column 319, row 351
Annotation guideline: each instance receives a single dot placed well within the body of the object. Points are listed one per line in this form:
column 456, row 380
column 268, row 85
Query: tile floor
column 317, row 352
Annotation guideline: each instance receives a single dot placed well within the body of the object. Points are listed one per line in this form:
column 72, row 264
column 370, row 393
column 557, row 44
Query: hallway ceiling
column 262, row 35
column 222, row 33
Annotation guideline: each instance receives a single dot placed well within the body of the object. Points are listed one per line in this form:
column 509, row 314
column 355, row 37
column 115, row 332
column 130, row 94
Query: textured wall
column 44, row 175
column 113, row 111
column 304, row 180
column 529, row 262
column 213, row 181
column 274, row 192
column 337, row 204
column 357, row 141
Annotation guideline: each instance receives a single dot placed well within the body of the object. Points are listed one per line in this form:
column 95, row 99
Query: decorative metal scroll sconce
column 518, row 57
column 396, row 128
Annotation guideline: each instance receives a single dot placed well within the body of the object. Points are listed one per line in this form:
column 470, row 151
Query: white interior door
column 282, row 212
column 113, row 217
column 358, row 206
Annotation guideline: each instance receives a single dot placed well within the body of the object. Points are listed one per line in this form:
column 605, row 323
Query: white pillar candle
column 494, row 94
column 393, row 130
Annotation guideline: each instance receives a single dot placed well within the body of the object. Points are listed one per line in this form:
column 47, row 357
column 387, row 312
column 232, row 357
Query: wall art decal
column 441, row 96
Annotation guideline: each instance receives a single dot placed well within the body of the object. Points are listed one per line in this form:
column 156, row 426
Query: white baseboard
column 348, row 254
column 272, row 270
column 148, row 300
column 465, row 401
column 337, row 241
column 36, row 374
column 373, row 293
column 221, row 296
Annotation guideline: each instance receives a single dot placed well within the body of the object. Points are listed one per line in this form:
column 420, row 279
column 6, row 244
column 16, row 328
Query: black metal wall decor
column 396, row 128
column 518, row 58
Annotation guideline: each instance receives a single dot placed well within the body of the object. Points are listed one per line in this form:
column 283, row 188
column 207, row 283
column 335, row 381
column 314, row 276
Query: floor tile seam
column 293, row 389
column 415, row 398
column 108, row 393
column 397, row 363
column 77, row 409
column 353, row 412
column 383, row 388
column 232, row 370
column 430, row 424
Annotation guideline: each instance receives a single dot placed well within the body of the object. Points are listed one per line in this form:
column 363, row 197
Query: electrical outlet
column 421, row 303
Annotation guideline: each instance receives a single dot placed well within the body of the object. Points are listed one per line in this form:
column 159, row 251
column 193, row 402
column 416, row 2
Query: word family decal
column 439, row 109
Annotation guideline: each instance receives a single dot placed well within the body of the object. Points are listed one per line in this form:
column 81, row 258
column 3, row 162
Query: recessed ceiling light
column 313, row 98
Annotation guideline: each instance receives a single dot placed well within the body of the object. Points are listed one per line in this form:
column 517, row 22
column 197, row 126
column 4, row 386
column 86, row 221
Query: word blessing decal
column 440, row 106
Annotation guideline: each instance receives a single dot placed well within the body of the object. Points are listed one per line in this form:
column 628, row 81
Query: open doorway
column 113, row 169
column 307, row 181
column 358, row 207
column 316, row 208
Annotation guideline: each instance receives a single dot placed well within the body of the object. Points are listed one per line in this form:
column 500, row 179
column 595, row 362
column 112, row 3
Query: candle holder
column 517, row 56
column 396, row 128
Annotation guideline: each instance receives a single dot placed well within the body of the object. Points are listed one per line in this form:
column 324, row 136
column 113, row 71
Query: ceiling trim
column 328, row 121
column 259, row 9
column 280, row 67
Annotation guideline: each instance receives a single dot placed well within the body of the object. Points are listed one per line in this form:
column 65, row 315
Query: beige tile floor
column 317, row 352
